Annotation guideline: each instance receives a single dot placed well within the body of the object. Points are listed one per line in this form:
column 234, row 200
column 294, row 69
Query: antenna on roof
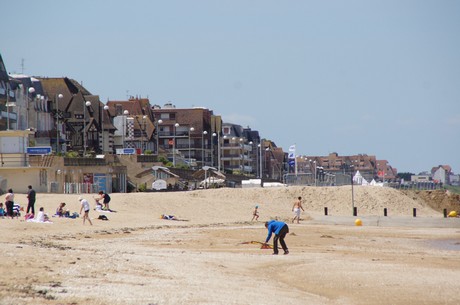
column 22, row 65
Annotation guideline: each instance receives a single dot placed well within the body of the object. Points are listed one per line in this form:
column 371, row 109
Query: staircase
column 139, row 173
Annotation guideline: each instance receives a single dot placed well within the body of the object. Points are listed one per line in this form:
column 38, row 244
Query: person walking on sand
column 86, row 208
column 296, row 209
column 255, row 214
column 280, row 229
column 31, row 198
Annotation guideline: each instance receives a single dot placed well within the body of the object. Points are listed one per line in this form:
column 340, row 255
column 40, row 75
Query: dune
column 135, row 257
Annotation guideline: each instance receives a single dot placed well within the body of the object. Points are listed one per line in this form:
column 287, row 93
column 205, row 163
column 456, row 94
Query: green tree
column 406, row 176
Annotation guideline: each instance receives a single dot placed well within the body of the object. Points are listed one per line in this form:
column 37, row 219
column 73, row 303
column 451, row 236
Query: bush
column 142, row 187
column 71, row 154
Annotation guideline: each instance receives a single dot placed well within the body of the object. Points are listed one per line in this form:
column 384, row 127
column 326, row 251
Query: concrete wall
column 19, row 178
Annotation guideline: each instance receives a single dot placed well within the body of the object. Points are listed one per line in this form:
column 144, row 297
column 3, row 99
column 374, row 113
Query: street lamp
column 189, row 152
column 320, row 174
column 250, row 154
column 260, row 160
column 232, row 146
column 158, row 135
column 142, row 133
column 31, row 90
column 314, row 163
column 58, row 97
column 352, row 192
column 87, row 104
column 218, row 148
column 202, row 147
column 206, row 168
column 241, row 156
column 174, row 144
column 126, row 112
column 106, row 108
column 7, row 106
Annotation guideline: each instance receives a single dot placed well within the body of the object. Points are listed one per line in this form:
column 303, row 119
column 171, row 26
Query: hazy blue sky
column 374, row 77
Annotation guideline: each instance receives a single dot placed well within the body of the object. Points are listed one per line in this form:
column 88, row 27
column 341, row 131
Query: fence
column 339, row 179
column 74, row 188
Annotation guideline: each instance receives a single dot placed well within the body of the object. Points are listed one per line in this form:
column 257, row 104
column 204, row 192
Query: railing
column 146, row 158
column 84, row 162
column 73, row 188
column 429, row 185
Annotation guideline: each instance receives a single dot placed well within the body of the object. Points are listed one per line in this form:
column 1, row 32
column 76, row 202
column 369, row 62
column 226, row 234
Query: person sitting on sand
column 2, row 210
column 60, row 211
column 17, row 210
column 98, row 205
column 41, row 216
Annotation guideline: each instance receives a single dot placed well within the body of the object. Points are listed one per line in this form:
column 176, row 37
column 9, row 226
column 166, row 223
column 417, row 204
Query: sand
column 137, row 258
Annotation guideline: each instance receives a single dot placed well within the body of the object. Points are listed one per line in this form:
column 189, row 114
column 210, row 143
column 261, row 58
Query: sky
column 353, row 77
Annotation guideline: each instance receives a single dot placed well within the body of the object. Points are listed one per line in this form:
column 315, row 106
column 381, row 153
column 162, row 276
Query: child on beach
column 255, row 214
column 2, row 211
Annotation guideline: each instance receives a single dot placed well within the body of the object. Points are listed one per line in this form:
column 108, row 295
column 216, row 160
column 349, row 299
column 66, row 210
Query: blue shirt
column 274, row 227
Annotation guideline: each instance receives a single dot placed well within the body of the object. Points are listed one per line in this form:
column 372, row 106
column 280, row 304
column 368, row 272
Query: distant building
column 420, row 178
column 441, row 174
column 186, row 135
column 134, row 124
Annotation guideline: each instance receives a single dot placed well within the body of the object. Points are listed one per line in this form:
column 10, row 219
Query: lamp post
column 58, row 97
column 31, row 90
column 241, row 156
column 87, row 104
column 218, row 148
column 7, row 107
column 250, row 154
column 189, row 150
column 125, row 113
column 260, row 160
column 223, row 155
column 206, row 168
column 158, row 135
column 174, row 144
column 142, row 133
column 314, row 163
column 106, row 108
column 320, row 174
column 352, row 191
column 202, row 147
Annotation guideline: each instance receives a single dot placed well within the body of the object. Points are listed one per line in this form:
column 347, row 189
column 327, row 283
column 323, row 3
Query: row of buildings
column 62, row 114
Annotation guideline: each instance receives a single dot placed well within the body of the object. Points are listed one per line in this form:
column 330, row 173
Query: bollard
column 355, row 211
column 414, row 212
column 325, row 211
column 445, row 213
column 385, row 212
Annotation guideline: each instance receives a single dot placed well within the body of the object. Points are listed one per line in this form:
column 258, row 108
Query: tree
column 406, row 176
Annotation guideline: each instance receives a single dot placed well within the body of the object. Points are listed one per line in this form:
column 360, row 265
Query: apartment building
column 134, row 124
column 239, row 149
column 188, row 135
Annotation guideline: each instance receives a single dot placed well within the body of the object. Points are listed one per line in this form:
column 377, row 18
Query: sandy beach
column 137, row 258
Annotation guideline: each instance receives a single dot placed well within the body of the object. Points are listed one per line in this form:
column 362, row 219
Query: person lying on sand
column 171, row 217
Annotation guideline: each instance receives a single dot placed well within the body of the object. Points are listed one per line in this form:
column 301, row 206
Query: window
column 118, row 109
column 168, row 116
